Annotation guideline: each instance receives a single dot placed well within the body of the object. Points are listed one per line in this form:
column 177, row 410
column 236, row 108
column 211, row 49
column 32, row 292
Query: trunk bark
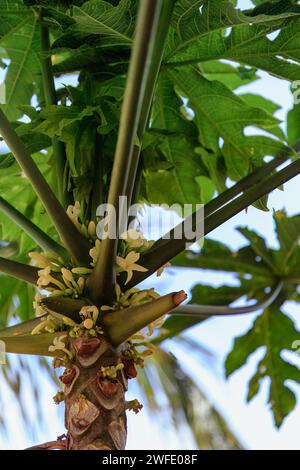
column 95, row 407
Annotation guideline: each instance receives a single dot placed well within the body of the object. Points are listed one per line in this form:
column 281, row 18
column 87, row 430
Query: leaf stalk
column 103, row 277
column 167, row 247
column 34, row 232
column 76, row 244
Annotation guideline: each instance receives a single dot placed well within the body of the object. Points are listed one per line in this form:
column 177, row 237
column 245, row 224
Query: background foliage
column 198, row 144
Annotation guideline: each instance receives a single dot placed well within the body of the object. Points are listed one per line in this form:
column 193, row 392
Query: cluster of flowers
column 59, row 280
column 134, row 244
column 57, row 323
column 88, row 229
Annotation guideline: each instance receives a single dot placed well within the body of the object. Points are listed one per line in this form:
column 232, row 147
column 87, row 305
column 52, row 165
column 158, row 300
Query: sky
column 252, row 423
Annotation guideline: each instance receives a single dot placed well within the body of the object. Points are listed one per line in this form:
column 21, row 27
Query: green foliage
column 198, row 137
column 293, row 117
column 19, row 37
column 16, row 300
column 174, row 141
column 276, row 332
column 93, row 39
column 184, row 400
column 211, row 102
column 198, row 35
column 113, row 24
column 257, row 268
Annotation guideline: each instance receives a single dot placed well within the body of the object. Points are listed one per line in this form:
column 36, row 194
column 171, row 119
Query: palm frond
column 21, row 379
column 165, row 383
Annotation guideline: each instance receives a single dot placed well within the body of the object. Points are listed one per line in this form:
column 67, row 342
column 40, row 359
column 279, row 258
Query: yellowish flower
column 111, row 371
column 129, row 265
column 81, row 270
column 95, row 252
column 45, row 279
column 139, row 297
column 133, row 238
column 91, row 229
column 74, row 212
column 39, row 310
column 47, row 324
column 118, row 292
column 89, row 312
column 156, row 324
column 137, row 337
column 40, row 260
column 88, row 323
column 80, row 284
column 126, row 297
column 59, row 345
column 40, row 327
column 148, row 244
column 67, row 277
column 68, row 321
column 105, row 308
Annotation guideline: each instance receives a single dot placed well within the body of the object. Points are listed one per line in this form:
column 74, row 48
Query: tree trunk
column 95, row 415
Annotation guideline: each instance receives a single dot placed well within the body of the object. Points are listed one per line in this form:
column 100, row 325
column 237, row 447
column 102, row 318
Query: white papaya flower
column 129, row 265
column 95, row 251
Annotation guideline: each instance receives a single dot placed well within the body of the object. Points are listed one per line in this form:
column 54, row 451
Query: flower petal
column 121, row 262
column 138, row 267
column 132, row 257
column 129, row 276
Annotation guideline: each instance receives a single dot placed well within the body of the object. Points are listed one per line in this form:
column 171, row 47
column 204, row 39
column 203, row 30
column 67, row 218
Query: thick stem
column 253, row 194
column 65, row 305
column 24, row 328
column 103, row 277
column 32, row 230
column 31, row 344
column 167, row 247
column 59, row 153
column 156, row 60
column 98, row 192
column 247, row 182
column 19, row 270
column 95, row 407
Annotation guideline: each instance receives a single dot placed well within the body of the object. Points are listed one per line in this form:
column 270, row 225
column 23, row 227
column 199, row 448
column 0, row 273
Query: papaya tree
column 153, row 117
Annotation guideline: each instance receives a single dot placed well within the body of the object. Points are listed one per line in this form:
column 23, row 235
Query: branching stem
column 103, row 277
column 59, row 154
column 40, row 237
column 19, row 271
column 156, row 60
